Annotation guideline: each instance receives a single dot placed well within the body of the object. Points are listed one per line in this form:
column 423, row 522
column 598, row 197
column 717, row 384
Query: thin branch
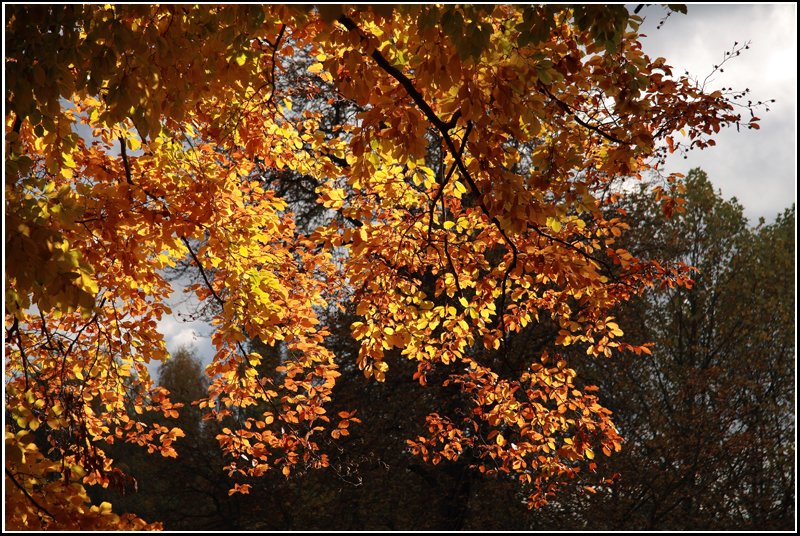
column 15, row 328
column 41, row 508
column 272, row 70
column 573, row 247
column 348, row 23
column 124, row 153
column 453, row 121
column 83, row 328
column 129, row 180
column 446, row 179
column 450, row 260
column 45, row 331
column 202, row 271
column 243, row 109
column 10, row 331
column 568, row 109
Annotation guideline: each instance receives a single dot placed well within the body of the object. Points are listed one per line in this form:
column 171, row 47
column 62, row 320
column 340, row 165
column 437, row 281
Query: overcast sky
column 757, row 167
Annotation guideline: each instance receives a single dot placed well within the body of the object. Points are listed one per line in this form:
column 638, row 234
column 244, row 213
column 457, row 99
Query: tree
column 465, row 180
column 709, row 417
column 189, row 491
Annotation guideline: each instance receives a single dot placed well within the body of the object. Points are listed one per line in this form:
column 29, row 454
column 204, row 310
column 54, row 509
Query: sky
column 756, row 167
column 179, row 332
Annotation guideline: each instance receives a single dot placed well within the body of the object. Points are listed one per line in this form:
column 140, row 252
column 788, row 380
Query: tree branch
column 124, row 154
column 27, row 494
column 446, row 179
column 384, row 64
column 272, row 71
column 15, row 329
column 568, row 109
column 450, row 261
column 202, row 272
column 443, row 128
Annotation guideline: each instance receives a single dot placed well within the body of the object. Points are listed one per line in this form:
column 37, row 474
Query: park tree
column 465, row 158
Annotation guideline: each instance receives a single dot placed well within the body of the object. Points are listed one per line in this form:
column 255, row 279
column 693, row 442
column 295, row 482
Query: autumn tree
column 743, row 276
column 465, row 187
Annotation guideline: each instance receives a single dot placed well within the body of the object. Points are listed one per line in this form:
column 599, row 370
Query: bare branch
column 567, row 108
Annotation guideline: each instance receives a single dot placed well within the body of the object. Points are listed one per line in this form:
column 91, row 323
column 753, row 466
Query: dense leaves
column 465, row 158
column 708, row 424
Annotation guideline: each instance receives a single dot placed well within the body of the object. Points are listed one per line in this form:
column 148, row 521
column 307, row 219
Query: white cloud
column 180, row 330
column 183, row 338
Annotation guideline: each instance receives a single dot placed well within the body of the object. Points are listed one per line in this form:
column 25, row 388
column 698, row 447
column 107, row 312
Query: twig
column 446, row 179
column 567, row 108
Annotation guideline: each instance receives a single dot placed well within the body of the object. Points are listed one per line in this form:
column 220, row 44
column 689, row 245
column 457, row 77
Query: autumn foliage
column 466, row 159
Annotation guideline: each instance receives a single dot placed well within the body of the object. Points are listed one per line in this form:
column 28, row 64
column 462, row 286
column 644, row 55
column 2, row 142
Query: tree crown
column 467, row 159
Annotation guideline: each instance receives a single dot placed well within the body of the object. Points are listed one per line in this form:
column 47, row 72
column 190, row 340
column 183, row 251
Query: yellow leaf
column 554, row 224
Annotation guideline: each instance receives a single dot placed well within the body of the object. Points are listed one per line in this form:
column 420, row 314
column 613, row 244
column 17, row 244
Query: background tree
column 189, row 491
column 709, row 417
column 447, row 236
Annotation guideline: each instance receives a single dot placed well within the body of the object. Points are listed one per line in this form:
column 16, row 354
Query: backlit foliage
column 465, row 193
